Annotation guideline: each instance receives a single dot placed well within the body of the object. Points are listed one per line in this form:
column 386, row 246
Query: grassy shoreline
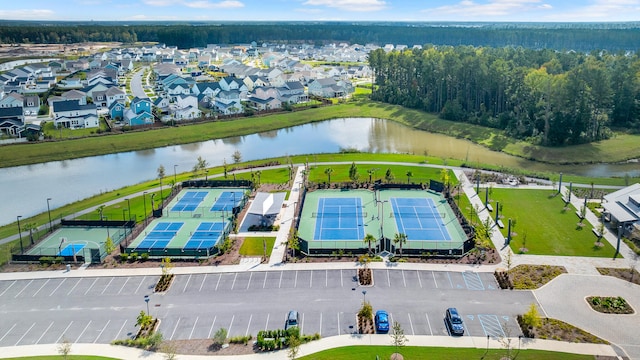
column 619, row 148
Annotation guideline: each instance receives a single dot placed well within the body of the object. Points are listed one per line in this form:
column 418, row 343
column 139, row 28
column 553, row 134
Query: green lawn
column 341, row 173
column 440, row 353
column 254, row 246
column 548, row 228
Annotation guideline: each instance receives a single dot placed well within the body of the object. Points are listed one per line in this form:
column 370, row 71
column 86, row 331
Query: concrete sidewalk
column 122, row 352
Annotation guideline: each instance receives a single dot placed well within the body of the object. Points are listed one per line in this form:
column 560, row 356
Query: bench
column 500, row 224
column 489, row 207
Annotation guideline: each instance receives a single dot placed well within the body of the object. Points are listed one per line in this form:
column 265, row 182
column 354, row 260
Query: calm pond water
column 26, row 188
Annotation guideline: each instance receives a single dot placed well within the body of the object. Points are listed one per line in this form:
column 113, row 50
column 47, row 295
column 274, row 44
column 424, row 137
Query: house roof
column 70, row 105
column 267, row 203
column 622, row 204
column 11, row 112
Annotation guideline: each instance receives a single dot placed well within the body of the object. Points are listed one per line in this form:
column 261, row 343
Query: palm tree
column 328, row 172
column 368, row 239
column 30, row 227
column 409, row 175
column 371, row 172
column 161, row 175
column 400, row 239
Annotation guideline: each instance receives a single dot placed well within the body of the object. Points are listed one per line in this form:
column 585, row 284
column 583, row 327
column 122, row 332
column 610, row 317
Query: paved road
column 99, row 310
column 136, row 84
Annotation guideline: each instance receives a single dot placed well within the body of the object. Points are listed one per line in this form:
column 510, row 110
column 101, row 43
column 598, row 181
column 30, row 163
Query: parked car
column 382, row 321
column 293, row 319
column 454, row 321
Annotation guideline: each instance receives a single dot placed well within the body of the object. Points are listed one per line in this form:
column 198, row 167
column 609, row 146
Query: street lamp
column 146, row 299
column 174, row 174
column 49, row 211
column 144, row 202
column 129, row 205
column 124, row 217
column 20, row 234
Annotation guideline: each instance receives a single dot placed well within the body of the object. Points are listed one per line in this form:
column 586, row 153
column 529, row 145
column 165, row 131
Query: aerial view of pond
column 26, row 188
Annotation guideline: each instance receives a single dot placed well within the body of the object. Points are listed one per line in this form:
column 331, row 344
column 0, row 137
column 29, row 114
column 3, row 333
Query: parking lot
column 101, row 309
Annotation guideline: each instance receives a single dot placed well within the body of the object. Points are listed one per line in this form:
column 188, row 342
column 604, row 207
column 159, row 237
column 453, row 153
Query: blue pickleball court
column 419, row 219
column 339, row 219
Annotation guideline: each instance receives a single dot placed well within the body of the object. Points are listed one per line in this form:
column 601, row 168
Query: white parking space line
column 341, row 281
column 295, row 282
column 44, row 333
column 248, row 325
column 326, row 278
column 174, row 329
column 320, row 331
column 63, row 332
column 74, row 286
column 280, row 283
column 404, row 280
column 106, row 287
column 429, row 324
column 82, row 333
column 25, row 334
column 411, row 324
column 7, row 333
column 249, row 282
column 434, row 279
column 8, row 287
column 203, row 280
column 311, row 280
column 141, row 281
column 57, row 287
column 234, row 281
column 232, row 318
column 186, row 284
column 302, row 325
column 450, row 281
column 101, row 331
column 26, row 286
column 211, row 328
column 45, row 283
column 419, row 281
column 264, row 283
column 266, row 324
column 119, row 331
column 89, row 289
column 389, row 278
column 338, row 324
column 194, row 327
column 218, row 283
column 125, row 283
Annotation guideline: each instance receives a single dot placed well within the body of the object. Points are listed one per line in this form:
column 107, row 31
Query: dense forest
column 578, row 37
column 547, row 97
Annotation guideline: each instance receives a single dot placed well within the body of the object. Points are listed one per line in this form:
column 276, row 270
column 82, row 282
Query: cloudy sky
column 356, row 10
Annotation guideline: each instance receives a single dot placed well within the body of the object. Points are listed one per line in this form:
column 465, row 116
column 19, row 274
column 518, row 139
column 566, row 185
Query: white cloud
column 602, row 10
column 227, row 4
column 350, row 5
column 27, row 14
column 469, row 9
column 162, row 2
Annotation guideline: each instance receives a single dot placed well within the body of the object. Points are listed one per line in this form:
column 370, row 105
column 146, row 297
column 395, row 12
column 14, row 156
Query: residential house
column 12, row 100
column 139, row 112
column 70, row 114
column 228, row 102
column 116, row 110
column 254, row 81
column 31, row 105
column 185, row 107
column 264, row 104
column 292, row 92
column 11, row 121
column 329, row 88
column 115, row 94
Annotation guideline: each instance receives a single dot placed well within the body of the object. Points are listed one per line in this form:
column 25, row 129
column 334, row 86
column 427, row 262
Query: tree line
column 579, row 37
column 547, row 97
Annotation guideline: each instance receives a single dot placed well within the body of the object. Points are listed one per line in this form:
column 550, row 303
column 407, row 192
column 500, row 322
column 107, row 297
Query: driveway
column 564, row 299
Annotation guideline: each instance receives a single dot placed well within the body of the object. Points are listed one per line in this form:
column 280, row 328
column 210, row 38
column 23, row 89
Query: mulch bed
column 628, row 274
column 552, row 329
column 610, row 305
column 528, row 277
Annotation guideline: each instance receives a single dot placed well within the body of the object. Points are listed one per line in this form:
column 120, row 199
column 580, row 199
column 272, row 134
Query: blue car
column 454, row 321
column 382, row 321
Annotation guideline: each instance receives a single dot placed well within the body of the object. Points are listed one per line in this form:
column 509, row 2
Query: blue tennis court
column 190, row 201
column 206, row 236
column 71, row 249
column 339, row 219
column 419, row 219
column 160, row 236
column 227, row 201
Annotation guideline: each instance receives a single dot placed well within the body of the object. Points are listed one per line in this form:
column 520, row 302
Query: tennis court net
column 338, row 215
column 408, row 214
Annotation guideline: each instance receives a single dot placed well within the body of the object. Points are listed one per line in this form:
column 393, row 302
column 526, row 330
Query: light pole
column 49, row 212
column 20, row 234
column 129, row 206
column 124, row 217
column 364, row 297
column 174, row 174
column 146, row 299
column 144, row 202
